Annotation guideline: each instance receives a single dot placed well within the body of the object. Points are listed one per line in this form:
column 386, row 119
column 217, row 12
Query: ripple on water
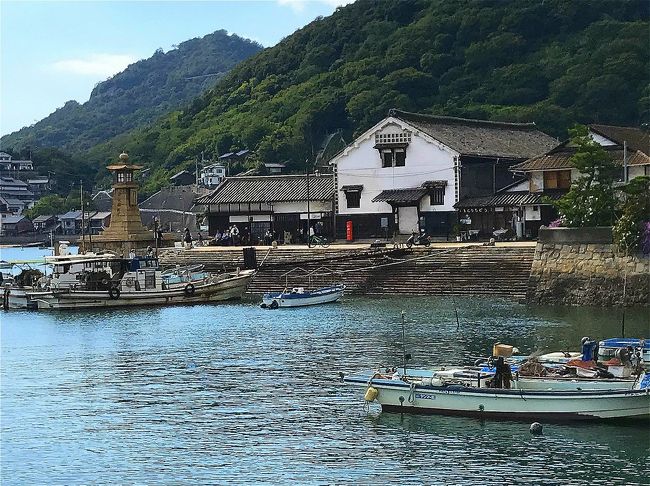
column 233, row 393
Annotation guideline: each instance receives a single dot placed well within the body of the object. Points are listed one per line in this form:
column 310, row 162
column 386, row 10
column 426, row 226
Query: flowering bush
column 645, row 238
column 555, row 223
column 632, row 229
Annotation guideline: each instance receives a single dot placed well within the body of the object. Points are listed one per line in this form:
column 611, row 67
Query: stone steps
column 496, row 271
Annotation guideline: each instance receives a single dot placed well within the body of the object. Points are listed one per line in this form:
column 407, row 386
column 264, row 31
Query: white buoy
column 536, row 428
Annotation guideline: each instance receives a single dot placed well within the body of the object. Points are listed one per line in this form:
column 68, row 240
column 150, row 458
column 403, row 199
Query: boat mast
column 404, row 344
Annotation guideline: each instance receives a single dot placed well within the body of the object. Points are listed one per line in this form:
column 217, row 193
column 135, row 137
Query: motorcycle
column 416, row 239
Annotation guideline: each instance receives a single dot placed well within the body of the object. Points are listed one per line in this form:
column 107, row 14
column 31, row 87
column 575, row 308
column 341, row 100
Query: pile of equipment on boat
column 606, row 380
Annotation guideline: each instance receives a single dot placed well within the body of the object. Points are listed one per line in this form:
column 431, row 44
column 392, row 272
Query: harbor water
column 235, row 394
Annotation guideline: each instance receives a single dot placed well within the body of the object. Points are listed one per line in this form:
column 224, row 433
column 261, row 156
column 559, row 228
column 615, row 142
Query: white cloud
column 299, row 5
column 95, row 64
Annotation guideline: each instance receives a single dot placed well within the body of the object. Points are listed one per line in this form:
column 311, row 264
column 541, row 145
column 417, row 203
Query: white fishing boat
column 298, row 297
column 433, row 396
column 96, row 281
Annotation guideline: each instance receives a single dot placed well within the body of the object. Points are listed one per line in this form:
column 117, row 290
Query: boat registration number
column 425, row 396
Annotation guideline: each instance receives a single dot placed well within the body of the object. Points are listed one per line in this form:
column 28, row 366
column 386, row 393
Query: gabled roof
column 269, row 189
column 43, row 218
column 101, row 215
column 181, row 173
column 70, row 215
column 481, row 138
column 636, row 138
column 13, row 219
column 180, row 198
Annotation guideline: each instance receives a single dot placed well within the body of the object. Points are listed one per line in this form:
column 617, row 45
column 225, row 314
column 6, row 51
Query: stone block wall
column 582, row 267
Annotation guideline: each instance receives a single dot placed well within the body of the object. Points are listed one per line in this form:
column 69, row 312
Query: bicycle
column 317, row 240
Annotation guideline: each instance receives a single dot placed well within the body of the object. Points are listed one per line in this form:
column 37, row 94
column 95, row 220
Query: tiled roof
column 101, row 215
column 559, row 158
column 636, row 138
column 43, row 218
column 176, row 198
column 480, row 137
column 11, row 219
column 508, row 199
column 70, row 215
column 409, row 195
column 269, row 189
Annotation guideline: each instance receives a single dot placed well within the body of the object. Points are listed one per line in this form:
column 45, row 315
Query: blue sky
column 55, row 51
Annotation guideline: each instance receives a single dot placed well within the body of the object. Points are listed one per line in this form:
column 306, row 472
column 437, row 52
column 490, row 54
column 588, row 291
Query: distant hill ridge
column 138, row 95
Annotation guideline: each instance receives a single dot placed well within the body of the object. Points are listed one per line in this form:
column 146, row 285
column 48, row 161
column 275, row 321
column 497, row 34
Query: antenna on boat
column 624, row 290
column 453, row 299
column 405, row 354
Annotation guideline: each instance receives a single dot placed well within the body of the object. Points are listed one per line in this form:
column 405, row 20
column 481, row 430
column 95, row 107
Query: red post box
column 348, row 231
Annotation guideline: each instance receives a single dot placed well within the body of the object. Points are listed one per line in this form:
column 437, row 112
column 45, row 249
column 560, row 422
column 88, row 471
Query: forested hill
column 552, row 61
column 138, row 95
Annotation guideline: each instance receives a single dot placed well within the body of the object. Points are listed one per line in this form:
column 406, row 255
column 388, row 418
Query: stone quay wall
column 581, row 266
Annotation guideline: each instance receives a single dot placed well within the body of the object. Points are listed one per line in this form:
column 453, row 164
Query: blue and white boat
column 299, row 297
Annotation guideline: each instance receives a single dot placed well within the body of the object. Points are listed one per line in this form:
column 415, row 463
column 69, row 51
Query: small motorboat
column 423, row 392
column 298, row 297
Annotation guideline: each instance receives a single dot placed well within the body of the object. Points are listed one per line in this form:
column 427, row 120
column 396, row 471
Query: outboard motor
column 589, row 349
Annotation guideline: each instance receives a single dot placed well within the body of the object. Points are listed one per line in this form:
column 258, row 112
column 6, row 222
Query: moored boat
column 432, row 396
column 96, row 281
column 298, row 297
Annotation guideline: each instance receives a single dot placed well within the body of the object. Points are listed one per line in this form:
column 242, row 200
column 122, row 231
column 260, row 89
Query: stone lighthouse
column 126, row 232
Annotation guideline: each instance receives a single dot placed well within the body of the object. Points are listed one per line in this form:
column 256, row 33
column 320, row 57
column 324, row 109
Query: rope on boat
column 411, row 398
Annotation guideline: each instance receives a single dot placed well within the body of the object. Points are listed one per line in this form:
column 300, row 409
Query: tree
column 631, row 226
column 591, row 200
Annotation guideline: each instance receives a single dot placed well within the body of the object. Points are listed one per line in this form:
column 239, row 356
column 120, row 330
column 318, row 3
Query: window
column 437, row 196
column 393, row 157
column 400, row 157
column 353, row 199
column 120, row 177
column 133, row 197
column 386, row 158
column 557, row 179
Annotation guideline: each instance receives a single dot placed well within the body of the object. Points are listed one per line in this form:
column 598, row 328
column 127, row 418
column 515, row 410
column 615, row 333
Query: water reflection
column 236, row 392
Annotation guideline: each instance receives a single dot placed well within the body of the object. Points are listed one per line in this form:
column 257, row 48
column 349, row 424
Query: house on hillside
column 70, row 222
column 103, row 200
column 548, row 177
column 20, row 169
column 407, row 172
column 15, row 225
column 279, row 203
column 212, row 175
column 98, row 222
column 183, row 178
column 40, row 186
column 16, row 190
column 45, row 223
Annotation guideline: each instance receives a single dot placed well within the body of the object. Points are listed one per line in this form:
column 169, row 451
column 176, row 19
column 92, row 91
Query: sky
column 55, row 51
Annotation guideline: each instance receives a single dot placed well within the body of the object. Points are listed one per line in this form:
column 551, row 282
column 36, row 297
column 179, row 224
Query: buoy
column 536, row 428
column 371, row 394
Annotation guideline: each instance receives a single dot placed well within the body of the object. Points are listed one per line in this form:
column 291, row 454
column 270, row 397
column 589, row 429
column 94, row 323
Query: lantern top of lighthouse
column 124, row 163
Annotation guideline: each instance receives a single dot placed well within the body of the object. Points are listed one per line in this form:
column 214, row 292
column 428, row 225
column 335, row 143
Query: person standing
column 187, row 238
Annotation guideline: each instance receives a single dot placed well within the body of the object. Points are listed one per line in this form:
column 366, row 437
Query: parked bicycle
column 317, row 240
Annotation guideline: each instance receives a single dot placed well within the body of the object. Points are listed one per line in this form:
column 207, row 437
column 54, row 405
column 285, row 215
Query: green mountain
column 138, row 95
column 552, row 61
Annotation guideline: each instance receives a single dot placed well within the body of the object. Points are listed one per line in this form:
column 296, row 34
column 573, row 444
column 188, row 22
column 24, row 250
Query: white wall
column 599, row 139
column 536, row 180
column 531, row 215
column 637, row 170
column 301, row 207
column 361, row 165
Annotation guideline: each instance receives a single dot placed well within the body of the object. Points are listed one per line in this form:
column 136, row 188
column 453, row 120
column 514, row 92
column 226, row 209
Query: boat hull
column 223, row 290
column 398, row 396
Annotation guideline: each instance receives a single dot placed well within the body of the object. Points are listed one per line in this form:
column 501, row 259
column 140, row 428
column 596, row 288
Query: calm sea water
column 237, row 394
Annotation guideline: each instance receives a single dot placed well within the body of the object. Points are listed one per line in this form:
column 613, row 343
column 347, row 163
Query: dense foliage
column 553, row 62
column 591, row 200
column 138, row 95
column 630, row 229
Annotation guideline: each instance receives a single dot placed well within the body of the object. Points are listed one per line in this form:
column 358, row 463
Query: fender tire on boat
column 189, row 290
column 114, row 293
column 274, row 304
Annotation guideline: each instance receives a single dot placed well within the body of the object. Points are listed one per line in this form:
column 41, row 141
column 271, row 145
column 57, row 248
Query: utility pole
column 308, row 210
column 83, row 218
